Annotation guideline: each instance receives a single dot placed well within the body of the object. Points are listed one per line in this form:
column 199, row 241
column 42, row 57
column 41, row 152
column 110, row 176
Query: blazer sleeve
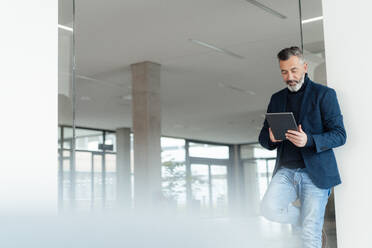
column 335, row 134
column 264, row 137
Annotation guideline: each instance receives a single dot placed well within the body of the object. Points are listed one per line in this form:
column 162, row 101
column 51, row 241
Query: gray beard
column 298, row 86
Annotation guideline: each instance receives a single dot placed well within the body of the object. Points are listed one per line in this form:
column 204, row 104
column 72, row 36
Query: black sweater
column 291, row 155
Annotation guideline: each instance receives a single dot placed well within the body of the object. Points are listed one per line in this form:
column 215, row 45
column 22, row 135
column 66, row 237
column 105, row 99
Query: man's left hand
column 298, row 138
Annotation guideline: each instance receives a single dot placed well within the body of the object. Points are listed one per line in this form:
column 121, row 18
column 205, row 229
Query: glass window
column 258, row 164
column 173, row 149
column 90, row 192
column 110, row 139
column 265, row 168
column 83, row 179
column 97, row 191
column 219, row 186
column 208, row 151
column 200, row 186
column 256, row 151
column 173, row 171
column 59, row 138
column 88, row 139
column 67, row 138
column 110, row 162
column 264, row 153
column 66, row 177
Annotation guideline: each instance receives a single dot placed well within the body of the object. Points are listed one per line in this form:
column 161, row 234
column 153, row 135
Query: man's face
column 292, row 70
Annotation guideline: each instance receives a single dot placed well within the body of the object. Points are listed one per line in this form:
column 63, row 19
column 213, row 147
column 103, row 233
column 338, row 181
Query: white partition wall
column 348, row 46
column 28, row 103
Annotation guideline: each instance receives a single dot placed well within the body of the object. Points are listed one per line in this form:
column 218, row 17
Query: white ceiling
column 112, row 34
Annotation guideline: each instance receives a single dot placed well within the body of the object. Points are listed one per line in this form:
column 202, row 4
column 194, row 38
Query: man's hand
column 272, row 138
column 298, row 138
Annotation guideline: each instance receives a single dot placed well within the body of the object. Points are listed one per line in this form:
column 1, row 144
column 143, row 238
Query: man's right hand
column 272, row 138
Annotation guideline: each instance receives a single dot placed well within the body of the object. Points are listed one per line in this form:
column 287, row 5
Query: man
column 306, row 167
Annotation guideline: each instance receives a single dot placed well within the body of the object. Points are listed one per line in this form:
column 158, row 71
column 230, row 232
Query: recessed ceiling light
column 319, row 18
column 179, row 126
column 267, row 9
column 250, row 92
column 126, row 97
column 221, row 50
column 65, row 28
column 85, row 98
column 231, row 87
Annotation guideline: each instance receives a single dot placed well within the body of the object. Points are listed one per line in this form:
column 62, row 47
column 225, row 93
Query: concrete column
column 235, row 182
column 123, row 167
column 348, row 56
column 146, row 114
column 251, row 187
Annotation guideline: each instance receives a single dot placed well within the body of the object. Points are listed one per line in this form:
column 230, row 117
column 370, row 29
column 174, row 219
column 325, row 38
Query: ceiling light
column 65, row 28
column 221, row 50
column 127, row 97
column 179, row 126
column 231, row 87
column 250, row 92
column 85, row 98
column 319, row 18
column 267, row 9
column 106, row 83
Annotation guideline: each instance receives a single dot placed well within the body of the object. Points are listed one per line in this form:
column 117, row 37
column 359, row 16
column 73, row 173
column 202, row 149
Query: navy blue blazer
column 322, row 121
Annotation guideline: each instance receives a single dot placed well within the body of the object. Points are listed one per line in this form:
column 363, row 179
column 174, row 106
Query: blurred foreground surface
column 141, row 230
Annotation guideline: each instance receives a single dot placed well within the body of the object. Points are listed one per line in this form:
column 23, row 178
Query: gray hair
column 286, row 53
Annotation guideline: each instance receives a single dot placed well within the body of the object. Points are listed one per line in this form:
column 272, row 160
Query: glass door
column 200, row 186
column 97, row 181
column 218, row 175
column 209, row 189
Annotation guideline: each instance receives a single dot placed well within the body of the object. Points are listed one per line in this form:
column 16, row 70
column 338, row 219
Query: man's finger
column 293, row 141
column 290, row 136
column 295, row 136
column 272, row 136
column 296, row 143
column 300, row 128
column 294, row 132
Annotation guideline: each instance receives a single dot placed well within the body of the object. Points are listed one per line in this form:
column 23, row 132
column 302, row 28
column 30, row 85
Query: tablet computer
column 280, row 123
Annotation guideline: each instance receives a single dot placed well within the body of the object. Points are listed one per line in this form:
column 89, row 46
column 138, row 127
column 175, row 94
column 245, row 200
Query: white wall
column 28, row 100
column 348, row 45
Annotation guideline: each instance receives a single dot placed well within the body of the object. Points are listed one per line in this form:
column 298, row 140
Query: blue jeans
column 285, row 187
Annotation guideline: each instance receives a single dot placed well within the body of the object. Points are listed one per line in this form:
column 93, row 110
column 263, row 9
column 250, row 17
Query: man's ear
column 305, row 67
